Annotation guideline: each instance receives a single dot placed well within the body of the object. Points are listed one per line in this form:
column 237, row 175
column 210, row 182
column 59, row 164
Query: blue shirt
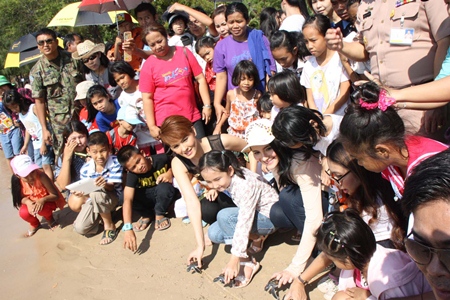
column 112, row 172
column 107, row 122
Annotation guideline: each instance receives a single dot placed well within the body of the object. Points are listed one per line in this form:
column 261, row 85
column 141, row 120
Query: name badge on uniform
column 401, row 36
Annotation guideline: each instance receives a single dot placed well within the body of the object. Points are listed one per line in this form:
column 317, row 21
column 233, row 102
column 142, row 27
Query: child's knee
column 341, row 295
column 81, row 229
column 75, row 203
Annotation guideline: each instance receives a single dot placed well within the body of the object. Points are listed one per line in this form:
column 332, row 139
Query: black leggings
column 210, row 209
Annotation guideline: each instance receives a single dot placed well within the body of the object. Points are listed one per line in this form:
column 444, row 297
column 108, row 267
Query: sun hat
column 258, row 133
column 22, row 165
column 87, row 48
column 182, row 15
column 82, row 89
column 129, row 114
column 4, row 81
column 123, row 17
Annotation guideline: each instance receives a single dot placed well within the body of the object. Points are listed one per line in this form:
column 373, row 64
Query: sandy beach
column 61, row 264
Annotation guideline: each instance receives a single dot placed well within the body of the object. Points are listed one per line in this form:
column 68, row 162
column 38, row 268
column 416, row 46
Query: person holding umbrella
column 55, row 75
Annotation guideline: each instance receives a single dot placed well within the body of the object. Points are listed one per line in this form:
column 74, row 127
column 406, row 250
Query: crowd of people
column 330, row 120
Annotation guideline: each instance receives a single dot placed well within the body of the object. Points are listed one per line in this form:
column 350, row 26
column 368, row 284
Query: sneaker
column 326, row 284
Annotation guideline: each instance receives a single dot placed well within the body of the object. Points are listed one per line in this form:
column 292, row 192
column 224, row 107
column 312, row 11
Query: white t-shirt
column 293, row 23
column 324, row 81
column 33, row 127
column 382, row 229
column 325, row 141
column 357, row 66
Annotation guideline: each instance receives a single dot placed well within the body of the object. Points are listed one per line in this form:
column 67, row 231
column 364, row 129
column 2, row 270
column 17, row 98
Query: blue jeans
column 289, row 211
column 12, row 142
column 222, row 231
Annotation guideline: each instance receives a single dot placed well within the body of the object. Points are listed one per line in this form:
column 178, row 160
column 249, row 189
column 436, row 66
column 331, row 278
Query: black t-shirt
column 161, row 163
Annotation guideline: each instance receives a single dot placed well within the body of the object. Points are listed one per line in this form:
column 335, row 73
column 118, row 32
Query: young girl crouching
column 33, row 194
column 369, row 271
column 236, row 225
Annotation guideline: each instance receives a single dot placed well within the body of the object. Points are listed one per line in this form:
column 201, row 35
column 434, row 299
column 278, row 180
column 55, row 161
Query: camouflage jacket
column 56, row 83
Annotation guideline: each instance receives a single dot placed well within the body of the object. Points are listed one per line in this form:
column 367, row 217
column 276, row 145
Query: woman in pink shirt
column 166, row 83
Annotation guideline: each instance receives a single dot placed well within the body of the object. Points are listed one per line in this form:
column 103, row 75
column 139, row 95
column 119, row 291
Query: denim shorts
column 47, row 159
column 12, row 142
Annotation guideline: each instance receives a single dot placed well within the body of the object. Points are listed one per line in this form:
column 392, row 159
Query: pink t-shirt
column 171, row 83
column 419, row 149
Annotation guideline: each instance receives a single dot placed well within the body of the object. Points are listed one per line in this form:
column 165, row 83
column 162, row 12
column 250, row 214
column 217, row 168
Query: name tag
column 401, row 36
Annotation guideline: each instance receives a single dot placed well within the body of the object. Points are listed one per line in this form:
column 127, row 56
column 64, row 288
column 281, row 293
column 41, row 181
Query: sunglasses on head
column 423, row 254
column 337, row 179
column 92, row 57
column 43, row 42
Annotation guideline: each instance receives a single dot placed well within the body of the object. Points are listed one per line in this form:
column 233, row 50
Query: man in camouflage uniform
column 55, row 76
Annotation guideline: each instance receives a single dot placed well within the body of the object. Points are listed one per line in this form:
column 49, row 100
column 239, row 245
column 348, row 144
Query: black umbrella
column 23, row 43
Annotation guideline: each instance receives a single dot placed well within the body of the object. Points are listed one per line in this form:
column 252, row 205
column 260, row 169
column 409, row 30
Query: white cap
column 258, row 133
column 129, row 114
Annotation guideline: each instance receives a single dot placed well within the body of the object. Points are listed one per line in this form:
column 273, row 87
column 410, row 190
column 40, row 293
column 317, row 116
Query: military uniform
column 55, row 81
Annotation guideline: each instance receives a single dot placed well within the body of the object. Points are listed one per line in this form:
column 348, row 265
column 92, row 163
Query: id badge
column 401, row 36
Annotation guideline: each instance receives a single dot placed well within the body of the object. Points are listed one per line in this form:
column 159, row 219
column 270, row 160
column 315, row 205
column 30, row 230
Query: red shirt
column 117, row 142
column 92, row 126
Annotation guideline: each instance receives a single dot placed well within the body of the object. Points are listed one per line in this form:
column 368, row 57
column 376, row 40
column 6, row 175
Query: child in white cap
column 34, row 194
column 123, row 134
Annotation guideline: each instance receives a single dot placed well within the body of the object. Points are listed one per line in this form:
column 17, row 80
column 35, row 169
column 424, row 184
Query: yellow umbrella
column 71, row 16
column 19, row 59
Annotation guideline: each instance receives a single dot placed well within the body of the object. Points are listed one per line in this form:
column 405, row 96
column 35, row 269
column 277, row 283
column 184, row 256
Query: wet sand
column 61, row 264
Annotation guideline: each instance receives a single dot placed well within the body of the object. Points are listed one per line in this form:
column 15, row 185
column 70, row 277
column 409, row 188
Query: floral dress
column 241, row 115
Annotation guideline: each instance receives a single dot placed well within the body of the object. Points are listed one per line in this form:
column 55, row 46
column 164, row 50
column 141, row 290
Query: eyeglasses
column 92, row 57
column 43, row 42
column 336, row 179
column 422, row 254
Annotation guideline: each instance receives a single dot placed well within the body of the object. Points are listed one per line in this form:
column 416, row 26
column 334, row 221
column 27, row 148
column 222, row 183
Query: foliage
column 31, row 15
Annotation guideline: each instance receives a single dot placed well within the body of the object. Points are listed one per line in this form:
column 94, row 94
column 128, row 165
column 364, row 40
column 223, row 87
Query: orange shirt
column 37, row 191
column 136, row 60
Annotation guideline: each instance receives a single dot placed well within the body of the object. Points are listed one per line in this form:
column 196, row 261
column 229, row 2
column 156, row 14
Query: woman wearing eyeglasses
column 95, row 66
column 369, row 194
column 369, row 271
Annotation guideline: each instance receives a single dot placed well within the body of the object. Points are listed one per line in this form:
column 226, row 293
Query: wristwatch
column 127, row 226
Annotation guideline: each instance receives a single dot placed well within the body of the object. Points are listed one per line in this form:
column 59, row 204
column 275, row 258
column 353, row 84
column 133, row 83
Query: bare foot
column 207, row 240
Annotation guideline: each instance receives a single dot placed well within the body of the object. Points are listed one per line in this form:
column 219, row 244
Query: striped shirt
column 112, row 172
column 419, row 149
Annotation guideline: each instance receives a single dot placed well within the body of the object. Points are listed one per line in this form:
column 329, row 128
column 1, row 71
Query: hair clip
column 223, row 152
column 332, row 233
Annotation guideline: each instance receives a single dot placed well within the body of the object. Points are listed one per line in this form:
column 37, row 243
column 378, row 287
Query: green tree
column 23, row 17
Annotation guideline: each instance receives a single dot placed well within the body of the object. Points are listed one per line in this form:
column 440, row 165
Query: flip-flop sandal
column 53, row 225
column 241, row 281
column 109, row 234
column 30, row 233
column 141, row 222
column 162, row 221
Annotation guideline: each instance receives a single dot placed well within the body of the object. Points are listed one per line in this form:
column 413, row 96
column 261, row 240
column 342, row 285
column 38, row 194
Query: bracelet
column 207, row 106
column 305, row 282
column 127, row 227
